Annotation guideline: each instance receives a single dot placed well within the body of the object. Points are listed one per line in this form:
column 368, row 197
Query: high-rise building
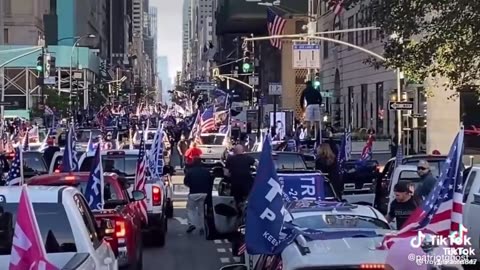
column 202, row 20
column 162, row 69
column 186, row 26
column 23, row 24
column 118, row 32
column 152, row 50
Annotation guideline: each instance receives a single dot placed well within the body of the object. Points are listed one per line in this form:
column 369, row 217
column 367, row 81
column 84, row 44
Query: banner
column 302, row 186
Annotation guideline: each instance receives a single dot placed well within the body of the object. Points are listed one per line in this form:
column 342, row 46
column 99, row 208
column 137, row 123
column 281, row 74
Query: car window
column 309, row 161
column 34, row 162
column 468, row 186
column 319, row 222
column 285, row 161
column 435, row 165
column 212, row 139
column 57, row 236
column 109, row 193
column 58, row 160
column 124, row 165
column 88, row 219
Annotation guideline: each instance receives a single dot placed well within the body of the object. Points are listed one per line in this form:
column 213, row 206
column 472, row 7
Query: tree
column 434, row 38
column 53, row 99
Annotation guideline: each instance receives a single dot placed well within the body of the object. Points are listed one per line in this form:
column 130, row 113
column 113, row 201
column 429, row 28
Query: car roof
column 304, row 208
column 37, row 194
column 277, row 153
column 128, row 152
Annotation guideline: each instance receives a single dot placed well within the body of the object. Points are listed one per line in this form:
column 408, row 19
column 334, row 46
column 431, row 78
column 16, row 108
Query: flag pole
column 22, row 180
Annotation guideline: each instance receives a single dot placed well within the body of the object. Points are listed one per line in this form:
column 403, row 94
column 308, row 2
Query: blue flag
column 265, row 209
column 69, row 161
column 95, row 185
column 302, row 186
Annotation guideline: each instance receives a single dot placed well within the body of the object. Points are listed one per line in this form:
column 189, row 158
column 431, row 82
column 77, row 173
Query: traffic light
column 40, row 63
column 316, row 81
column 53, row 67
column 247, row 65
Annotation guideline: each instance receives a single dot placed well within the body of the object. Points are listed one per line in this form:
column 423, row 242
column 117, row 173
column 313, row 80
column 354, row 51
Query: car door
column 223, row 223
column 101, row 247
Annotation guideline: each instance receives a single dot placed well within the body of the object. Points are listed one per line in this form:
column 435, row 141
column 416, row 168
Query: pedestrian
column 313, row 100
column 326, row 162
column 182, row 147
column 199, row 180
column 403, row 205
column 191, row 153
column 427, row 181
column 50, row 151
column 238, row 169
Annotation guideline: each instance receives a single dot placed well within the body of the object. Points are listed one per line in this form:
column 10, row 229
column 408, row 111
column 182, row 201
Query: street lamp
column 78, row 39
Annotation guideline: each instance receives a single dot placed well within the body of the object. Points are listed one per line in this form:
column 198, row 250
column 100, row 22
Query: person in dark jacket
column 427, row 181
column 200, row 182
column 326, row 162
column 313, row 99
column 50, row 151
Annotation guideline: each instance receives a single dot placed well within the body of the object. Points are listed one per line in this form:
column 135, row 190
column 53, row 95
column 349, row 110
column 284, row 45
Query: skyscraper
column 186, row 29
column 162, row 71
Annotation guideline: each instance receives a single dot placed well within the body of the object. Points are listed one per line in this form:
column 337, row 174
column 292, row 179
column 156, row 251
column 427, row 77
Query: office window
column 350, row 35
column 7, row 7
column 350, row 106
column 357, row 33
column 361, row 24
column 380, row 107
column 363, row 101
column 325, row 48
column 5, row 36
column 357, row 120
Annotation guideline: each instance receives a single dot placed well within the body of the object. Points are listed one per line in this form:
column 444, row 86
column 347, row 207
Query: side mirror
column 235, row 267
column 138, row 195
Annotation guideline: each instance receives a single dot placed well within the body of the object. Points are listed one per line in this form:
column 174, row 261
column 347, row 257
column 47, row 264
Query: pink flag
column 28, row 251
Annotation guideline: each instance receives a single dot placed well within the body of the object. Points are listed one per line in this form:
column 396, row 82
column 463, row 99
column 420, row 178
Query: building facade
column 163, row 75
column 186, row 33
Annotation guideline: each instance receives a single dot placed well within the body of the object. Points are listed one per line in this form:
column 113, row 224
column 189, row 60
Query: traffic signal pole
column 41, row 82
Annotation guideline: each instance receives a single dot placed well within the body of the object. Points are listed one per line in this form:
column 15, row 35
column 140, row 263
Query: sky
column 170, row 32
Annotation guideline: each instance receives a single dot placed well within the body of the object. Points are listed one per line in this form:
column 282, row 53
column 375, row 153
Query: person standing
column 313, row 100
column 50, row 151
column 238, row 168
column 326, row 162
column 199, row 180
column 182, row 147
column 403, row 205
column 192, row 153
column 427, row 181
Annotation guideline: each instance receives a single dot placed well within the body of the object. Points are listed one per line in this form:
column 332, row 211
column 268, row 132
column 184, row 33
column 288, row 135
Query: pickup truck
column 126, row 239
column 471, row 207
column 159, row 203
column 213, row 148
column 72, row 238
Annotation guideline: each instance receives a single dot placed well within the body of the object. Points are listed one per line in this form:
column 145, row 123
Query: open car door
column 221, row 217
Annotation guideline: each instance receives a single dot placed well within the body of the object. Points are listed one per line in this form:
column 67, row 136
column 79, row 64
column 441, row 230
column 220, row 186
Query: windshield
column 435, row 165
column 323, row 221
column 84, row 135
column 123, row 165
column 285, row 161
column 58, row 160
column 57, row 236
column 33, row 162
column 110, row 193
column 150, row 135
column 212, row 139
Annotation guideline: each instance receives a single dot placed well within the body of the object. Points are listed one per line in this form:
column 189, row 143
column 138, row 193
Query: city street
column 183, row 251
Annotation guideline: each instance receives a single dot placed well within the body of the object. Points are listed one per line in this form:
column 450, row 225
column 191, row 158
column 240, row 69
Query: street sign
column 253, row 80
column 275, row 89
column 306, row 56
column 6, row 103
column 49, row 81
column 400, row 105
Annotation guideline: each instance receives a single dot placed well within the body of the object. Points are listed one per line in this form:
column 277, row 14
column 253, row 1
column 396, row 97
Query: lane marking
column 182, row 221
column 226, row 241
column 236, row 259
column 230, row 249
column 217, row 241
column 221, row 250
column 225, row 260
column 180, row 204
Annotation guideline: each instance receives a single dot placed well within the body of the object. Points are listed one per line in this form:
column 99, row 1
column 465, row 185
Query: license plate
column 210, row 161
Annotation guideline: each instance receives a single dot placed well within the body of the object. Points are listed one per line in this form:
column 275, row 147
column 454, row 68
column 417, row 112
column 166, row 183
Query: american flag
column 275, row 25
column 207, row 122
column 367, row 149
column 442, row 211
column 14, row 176
column 26, row 146
column 48, row 110
column 140, row 177
column 336, row 6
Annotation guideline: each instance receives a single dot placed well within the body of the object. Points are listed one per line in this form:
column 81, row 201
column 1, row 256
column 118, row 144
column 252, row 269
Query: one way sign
column 400, row 105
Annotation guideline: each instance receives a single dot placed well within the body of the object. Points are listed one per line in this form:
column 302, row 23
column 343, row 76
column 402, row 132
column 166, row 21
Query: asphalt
column 186, row 251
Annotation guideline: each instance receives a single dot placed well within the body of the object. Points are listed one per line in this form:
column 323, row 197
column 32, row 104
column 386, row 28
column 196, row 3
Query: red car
column 127, row 236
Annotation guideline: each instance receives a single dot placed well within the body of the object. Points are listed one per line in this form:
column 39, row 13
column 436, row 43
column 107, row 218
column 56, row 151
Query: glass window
column 285, row 161
column 212, row 139
column 364, row 99
column 123, row 165
column 57, row 236
column 350, row 35
column 84, row 135
column 88, row 219
column 325, row 48
column 33, row 162
column 109, row 193
column 380, row 109
column 468, row 186
column 58, row 160
column 318, row 222
column 435, row 165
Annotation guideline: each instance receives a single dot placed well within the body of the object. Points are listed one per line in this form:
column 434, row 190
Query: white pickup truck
column 159, row 203
column 471, row 208
column 72, row 238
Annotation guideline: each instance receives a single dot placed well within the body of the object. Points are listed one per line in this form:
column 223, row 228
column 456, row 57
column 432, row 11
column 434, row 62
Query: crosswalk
column 224, row 250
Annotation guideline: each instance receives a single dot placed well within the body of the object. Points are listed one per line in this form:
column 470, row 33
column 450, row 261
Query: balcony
column 239, row 16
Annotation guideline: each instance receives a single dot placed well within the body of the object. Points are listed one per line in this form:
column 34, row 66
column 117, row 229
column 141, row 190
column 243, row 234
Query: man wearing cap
column 50, row 151
column 427, row 181
column 403, row 205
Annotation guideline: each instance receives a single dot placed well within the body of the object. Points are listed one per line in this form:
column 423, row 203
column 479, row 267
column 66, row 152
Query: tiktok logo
column 457, row 238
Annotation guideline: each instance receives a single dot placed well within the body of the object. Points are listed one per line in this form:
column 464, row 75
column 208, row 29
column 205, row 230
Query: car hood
column 212, row 151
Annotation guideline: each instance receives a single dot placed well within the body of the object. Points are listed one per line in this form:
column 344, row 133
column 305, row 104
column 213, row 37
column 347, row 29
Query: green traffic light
column 39, row 68
column 316, row 84
column 246, row 67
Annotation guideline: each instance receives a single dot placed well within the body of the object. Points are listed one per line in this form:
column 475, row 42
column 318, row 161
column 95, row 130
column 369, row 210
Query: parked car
column 119, row 207
column 72, row 237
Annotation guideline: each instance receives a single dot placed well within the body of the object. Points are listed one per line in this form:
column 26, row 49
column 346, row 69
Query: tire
column 169, row 209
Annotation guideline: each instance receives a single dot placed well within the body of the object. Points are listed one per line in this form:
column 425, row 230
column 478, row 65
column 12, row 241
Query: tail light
column 120, row 229
column 372, row 266
column 156, row 196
